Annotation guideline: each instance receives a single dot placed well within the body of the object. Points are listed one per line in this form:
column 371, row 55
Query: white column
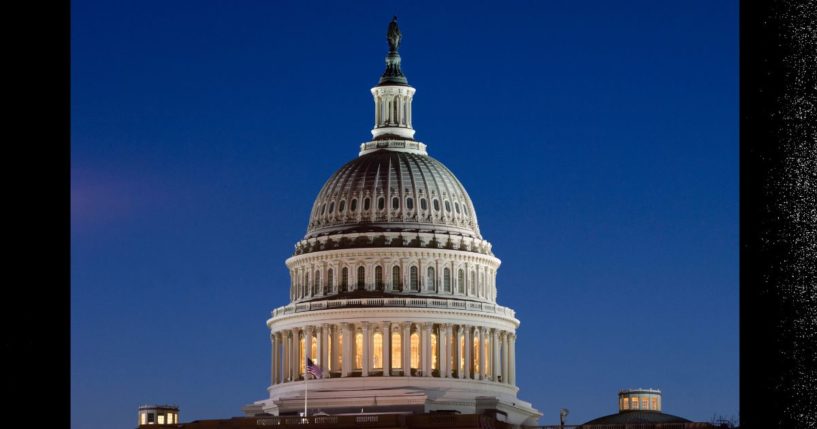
column 460, row 352
column 348, row 341
column 385, row 328
column 495, row 348
column 367, row 356
column 335, row 346
column 427, row 351
column 272, row 358
column 322, row 348
column 469, row 348
column 512, row 360
column 296, row 358
column 406, row 340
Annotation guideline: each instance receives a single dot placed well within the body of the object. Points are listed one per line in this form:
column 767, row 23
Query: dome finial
column 393, row 75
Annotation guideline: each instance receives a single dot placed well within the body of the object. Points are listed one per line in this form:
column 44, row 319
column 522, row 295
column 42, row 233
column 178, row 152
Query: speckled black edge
column 778, row 208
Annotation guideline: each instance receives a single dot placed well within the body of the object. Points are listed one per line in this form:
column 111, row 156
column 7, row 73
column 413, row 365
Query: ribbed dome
column 389, row 190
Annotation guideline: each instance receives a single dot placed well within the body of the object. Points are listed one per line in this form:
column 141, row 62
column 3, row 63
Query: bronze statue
column 393, row 35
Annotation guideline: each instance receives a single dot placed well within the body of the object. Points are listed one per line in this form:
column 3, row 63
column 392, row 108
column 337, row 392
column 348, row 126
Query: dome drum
column 393, row 272
column 407, row 239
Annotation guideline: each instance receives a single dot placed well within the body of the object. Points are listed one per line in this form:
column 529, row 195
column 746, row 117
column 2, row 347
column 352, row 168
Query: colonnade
column 403, row 348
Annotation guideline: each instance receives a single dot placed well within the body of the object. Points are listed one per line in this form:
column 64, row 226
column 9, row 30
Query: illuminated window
column 396, row 356
column 434, row 352
column 329, row 351
column 377, row 340
column 358, row 350
column 302, row 355
column 378, row 277
column 340, row 351
column 634, row 403
column 314, row 348
column 413, row 285
column 488, row 356
column 462, row 352
column 475, row 354
column 415, row 350
column 654, row 405
column 447, row 280
column 624, row 404
column 461, row 282
column 396, row 282
column 645, row 403
column 361, row 278
column 143, row 418
column 431, row 283
column 161, row 419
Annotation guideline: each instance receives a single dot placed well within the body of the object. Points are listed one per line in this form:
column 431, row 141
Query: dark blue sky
column 598, row 141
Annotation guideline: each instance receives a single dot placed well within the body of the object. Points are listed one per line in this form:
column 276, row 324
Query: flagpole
column 306, row 391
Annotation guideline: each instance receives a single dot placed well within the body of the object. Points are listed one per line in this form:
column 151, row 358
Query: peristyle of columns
column 494, row 359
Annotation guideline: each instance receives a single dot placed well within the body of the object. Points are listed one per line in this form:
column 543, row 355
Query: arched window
column 381, row 203
column 353, row 205
column 431, row 283
column 461, row 281
column 423, row 204
column 344, row 280
column 330, row 280
column 342, row 206
column 378, row 278
column 396, row 348
column 316, row 286
column 447, row 280
column 331, row 207
column 306, row 285
column 472, row 289
column 323, row 209
column 415, row 350
column 413, row 282
column 447, row 206
column 361, row 278
column 396, row 281
column 436, row 205
column 457, row 207
column 366, row 204
column 409, row 203
column 395, row 203
column 377, row 355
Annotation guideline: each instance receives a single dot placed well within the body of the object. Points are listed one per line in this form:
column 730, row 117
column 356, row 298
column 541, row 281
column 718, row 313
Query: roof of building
column 637, row 416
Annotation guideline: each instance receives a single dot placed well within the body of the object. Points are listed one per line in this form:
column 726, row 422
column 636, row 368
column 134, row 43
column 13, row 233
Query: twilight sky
column 598, row 141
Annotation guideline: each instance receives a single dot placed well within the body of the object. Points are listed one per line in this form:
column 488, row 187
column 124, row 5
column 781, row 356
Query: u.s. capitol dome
column 393, row 289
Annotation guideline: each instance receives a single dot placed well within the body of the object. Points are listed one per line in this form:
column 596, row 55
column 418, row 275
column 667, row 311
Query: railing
column 450, row 304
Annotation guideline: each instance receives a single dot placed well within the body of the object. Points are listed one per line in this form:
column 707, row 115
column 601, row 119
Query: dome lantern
column 393, row 95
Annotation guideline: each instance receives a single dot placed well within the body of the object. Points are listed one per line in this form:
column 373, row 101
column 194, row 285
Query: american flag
column 313, row 369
